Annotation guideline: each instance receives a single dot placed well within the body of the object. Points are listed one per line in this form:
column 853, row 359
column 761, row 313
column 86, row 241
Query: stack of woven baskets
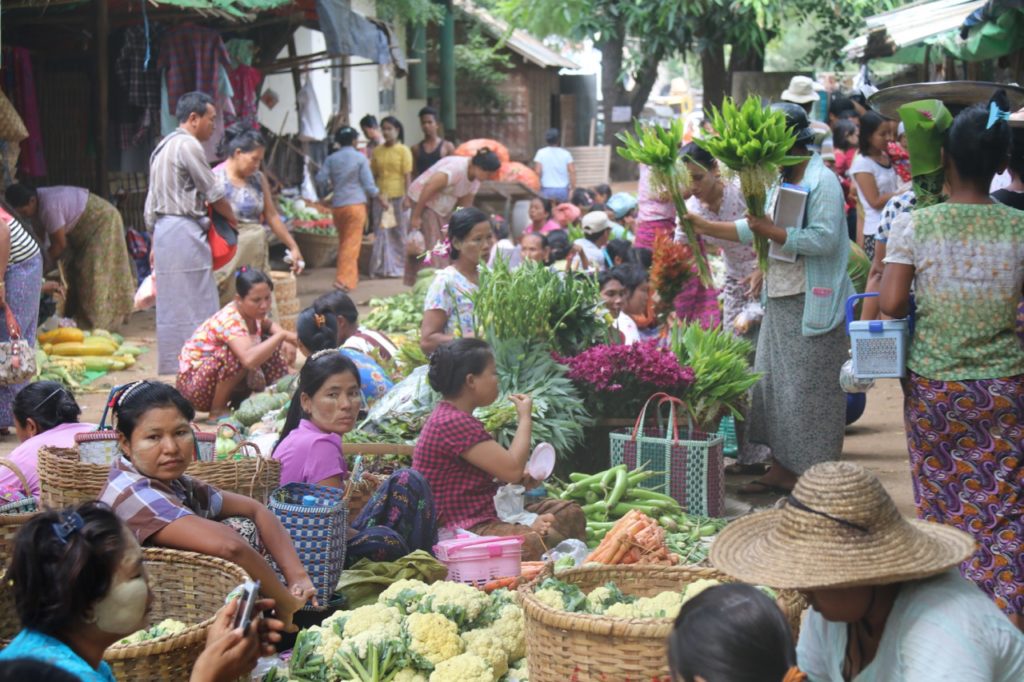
column 579, row 646
column 286, row 296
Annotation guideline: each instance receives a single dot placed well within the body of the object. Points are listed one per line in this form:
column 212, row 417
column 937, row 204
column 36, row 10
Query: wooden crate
column 592, row 164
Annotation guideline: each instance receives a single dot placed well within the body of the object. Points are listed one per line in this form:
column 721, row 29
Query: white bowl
column 541, row 462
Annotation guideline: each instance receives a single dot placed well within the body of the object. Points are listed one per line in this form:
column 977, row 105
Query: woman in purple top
column 45, row 414
column 400, row 517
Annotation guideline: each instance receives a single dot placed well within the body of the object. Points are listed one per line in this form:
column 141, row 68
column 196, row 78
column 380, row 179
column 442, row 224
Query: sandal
column 341, row 287
column 759, row 487
column 755, row 469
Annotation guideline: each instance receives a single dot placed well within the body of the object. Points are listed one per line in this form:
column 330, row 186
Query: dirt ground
column 877, row 440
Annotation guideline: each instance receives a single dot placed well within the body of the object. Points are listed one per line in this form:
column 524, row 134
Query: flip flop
column 755, row 469
column 762, row 488
column 341, row 287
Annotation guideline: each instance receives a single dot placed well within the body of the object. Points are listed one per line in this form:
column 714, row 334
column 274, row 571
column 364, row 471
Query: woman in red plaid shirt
column 465, row 466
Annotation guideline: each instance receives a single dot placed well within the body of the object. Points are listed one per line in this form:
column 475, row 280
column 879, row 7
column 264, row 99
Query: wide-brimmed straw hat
column 839, row 528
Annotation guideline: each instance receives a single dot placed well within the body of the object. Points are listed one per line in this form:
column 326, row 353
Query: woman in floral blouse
column 448, row 309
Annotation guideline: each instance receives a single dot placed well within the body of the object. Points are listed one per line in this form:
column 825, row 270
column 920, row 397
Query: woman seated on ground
column 80, row 586
column 732, row 632
column 45, row 415
column 237, row 352
column 86, row 233
column 350, row 334
column 253, row 203
column 400, row 516
column 541, row 214
column 448, row 308
column 461, row 461
column 887, row 601
column 163, row 507
column 317, row 332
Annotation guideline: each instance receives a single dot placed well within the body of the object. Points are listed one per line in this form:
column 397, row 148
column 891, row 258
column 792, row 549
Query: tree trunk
column 716, row 81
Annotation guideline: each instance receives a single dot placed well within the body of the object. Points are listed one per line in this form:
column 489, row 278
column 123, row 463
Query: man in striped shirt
column 181, row 185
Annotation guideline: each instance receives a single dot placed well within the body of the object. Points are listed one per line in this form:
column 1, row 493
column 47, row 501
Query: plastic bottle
column 309, row 500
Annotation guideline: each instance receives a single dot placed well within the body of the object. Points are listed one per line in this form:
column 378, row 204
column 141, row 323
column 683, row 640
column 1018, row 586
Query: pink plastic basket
column 478, row 559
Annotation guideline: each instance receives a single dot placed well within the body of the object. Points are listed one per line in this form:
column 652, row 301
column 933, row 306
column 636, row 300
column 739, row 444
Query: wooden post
column 102, row 184
column 448, row 70
column 296, row 81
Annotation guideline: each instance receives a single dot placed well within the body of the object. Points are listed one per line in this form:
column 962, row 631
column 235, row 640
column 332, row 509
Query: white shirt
column 630, row 332
column 942, row 628
column 593, row 252
column 554, row 166
column 886, row 180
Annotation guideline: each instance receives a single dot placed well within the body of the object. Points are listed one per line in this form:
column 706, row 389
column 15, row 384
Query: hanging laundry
column 20, row 85
column 192, row 57
column 242, row 51
column 222, row 100
column 141, row 84
column 311, row 121
column 246, row 81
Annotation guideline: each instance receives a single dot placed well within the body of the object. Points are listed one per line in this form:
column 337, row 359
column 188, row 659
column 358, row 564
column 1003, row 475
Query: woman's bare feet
column 543, row 524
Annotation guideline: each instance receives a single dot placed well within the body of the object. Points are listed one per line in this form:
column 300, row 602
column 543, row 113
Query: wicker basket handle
column 17, row 472
column 261, row 462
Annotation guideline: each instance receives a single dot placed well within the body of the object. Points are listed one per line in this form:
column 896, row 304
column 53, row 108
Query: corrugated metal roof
column 519, row 41
column 244, row 10
column 911, row 25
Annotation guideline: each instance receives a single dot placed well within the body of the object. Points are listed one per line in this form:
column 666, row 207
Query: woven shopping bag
column 689, row 468
column 17, row 356
column 317, row 530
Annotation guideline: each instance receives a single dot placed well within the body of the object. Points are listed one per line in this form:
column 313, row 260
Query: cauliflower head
column 519, row 671
column 550, row 597
column 409, row 675
column 433, row 637
column 329, row 639
column 405, row 595
column 461, row 603
column 463, row 668
column 623, row 610
column 696, row 587
column 662, row 605
column 510, row 627
column 488, row 645
column 373, row 617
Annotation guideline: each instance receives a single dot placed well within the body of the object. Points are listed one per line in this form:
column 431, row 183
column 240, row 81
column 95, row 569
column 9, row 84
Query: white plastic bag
column 511, row 505
column 145, row 297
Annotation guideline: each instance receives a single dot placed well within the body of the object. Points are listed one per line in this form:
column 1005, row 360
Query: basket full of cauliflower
column 444, row 632
column 607, row 622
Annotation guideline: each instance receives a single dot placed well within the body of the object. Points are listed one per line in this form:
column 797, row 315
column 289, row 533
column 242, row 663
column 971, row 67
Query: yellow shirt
column 390, row 166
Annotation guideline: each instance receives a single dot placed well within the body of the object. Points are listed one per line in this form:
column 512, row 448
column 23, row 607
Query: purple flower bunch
column 617, row 379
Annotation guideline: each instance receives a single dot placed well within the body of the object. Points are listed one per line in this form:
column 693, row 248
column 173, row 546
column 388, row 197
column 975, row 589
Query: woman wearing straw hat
column 886, row 600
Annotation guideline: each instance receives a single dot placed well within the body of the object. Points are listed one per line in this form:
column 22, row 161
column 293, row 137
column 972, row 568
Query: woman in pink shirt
column 45, row 415
column 540, row 214
column 400, row 516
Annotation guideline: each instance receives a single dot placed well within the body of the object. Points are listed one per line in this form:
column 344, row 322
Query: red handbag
column 223, row 240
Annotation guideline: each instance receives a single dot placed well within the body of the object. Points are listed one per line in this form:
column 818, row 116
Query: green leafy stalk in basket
column 721, row 371
column 753, row 141
column 658, row 148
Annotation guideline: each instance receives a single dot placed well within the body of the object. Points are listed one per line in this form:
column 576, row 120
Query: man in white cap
column 804, row 91
column 596, row 231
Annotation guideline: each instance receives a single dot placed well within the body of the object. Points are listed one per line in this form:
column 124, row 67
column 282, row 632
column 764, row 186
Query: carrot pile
column 528, row 571
column 635, row 539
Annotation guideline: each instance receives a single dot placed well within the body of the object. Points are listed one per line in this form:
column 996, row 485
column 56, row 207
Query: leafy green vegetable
column 400, row 313
column 721, row 369
column 573, row 597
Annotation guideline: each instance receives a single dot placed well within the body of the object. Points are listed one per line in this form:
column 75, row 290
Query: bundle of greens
column 559, row 414
column 721, row 370
column 402, row 312
column 532, row 302
column 658, row 149
column 753, row 141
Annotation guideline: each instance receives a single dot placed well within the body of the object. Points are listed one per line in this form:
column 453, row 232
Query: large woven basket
column 564, row 646
column 11, row 522
column 318, row 250
column 9, row 622
column 65, row 480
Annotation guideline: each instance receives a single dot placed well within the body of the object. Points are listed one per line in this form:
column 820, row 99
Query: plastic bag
column 511, row 505
column 145, row 297
column 751, row 315
column 410, row 402
column 415, row 246
column 849, row 382
column 577, row 549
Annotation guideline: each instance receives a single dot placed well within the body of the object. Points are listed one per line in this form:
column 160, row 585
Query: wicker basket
column 10, row 625
column 186, row 586
column 286, row 293
column 318, row 250
column 562, row 646
column 358, row 494
column 65, row 480
column 11, row 522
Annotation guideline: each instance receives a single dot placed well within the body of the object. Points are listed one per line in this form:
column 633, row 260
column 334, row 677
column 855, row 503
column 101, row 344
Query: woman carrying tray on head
column 236, row 352
column 80, row 586
column 163, row 507
column 461, row 460
column 400, row 517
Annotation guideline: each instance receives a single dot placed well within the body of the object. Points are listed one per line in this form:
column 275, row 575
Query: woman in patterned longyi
column 964, row 404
